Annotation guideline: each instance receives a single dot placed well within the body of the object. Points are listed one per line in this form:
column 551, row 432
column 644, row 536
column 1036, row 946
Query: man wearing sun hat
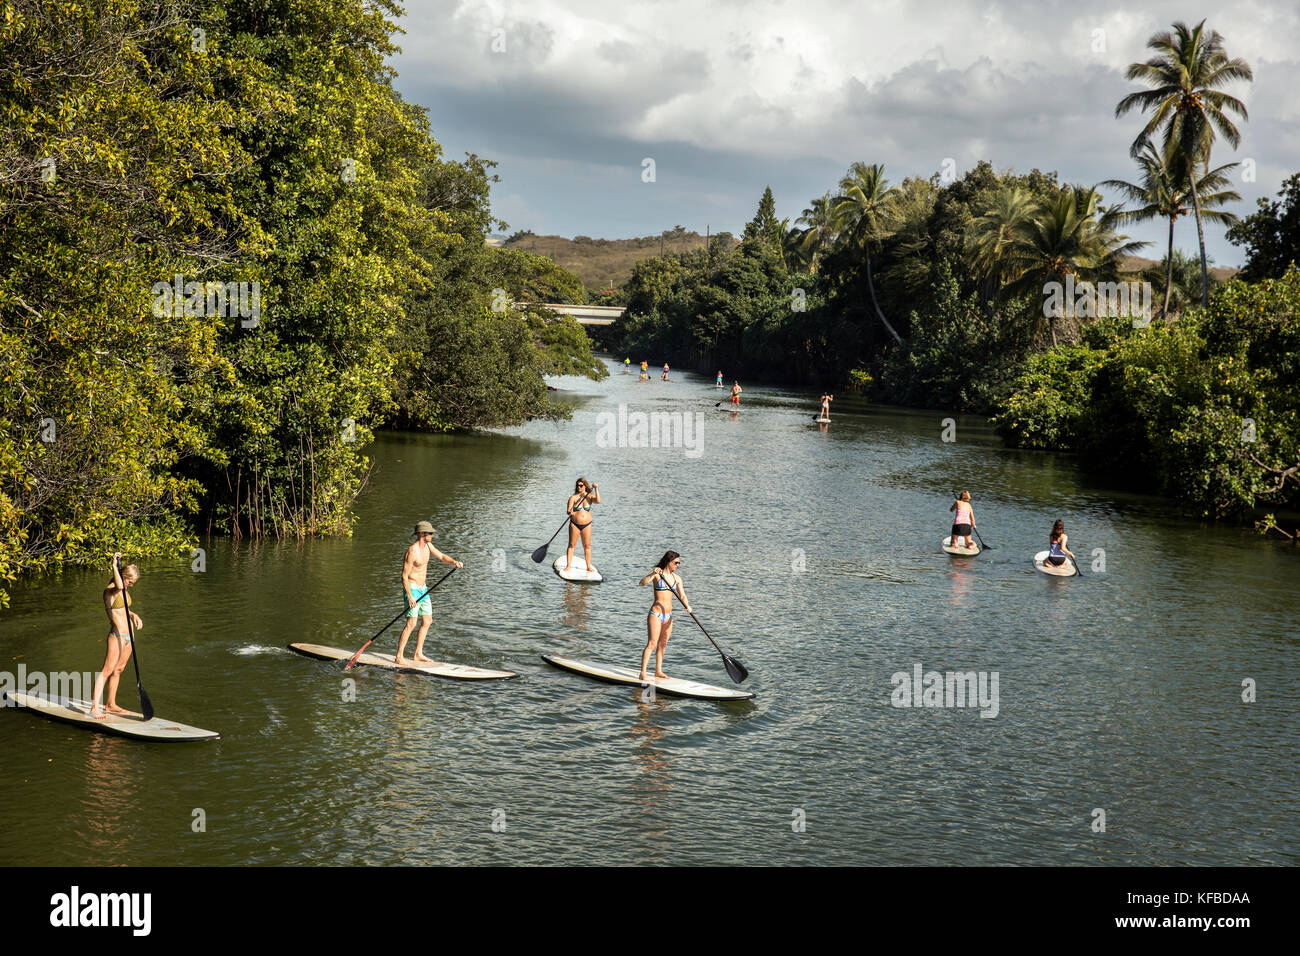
column 416, row 591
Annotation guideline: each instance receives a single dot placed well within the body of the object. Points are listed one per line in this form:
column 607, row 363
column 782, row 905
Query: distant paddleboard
column 389, row 662
column 673, row 686
column 577, row 570
column 1066, row 570
column 72, row 711
column 960, row 549
column 822, row 421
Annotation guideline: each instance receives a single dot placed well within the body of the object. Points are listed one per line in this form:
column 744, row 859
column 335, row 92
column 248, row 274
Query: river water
column 811, row 554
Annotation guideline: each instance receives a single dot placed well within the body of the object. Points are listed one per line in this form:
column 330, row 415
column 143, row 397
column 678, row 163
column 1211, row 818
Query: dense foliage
column 1204, row 410
column 256, row 158
column 1271, row 235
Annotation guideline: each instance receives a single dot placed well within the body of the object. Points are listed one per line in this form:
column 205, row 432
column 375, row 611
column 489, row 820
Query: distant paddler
column 665, row 375
column 659, row 623
column 826, row 406
column 735, row 396
column 627, row 366
column 645, row 372
column 117, row 603
column 578, row 506
column 962, row 522
column 718, row 384
column 415, row 568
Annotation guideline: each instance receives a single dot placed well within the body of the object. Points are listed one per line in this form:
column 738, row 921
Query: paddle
column 540, row 554
column 735, row 670
column 146, row 705
column 404, row 610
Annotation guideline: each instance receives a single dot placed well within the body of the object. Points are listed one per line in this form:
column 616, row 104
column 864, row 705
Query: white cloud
column 728, row 94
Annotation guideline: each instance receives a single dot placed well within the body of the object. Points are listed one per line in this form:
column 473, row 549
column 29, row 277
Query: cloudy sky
column 571, row 96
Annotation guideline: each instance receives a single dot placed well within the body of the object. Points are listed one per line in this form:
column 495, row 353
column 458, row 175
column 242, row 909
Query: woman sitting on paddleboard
column 117, row 602
column 659, row 623
column 735, row 396
column 1056, row 546
column 579, row 508
column 962, row 522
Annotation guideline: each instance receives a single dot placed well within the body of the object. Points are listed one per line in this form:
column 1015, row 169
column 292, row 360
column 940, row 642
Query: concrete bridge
column 587, row 314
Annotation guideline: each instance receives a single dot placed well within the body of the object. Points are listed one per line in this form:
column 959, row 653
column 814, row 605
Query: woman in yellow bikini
column 117, row 602
column 659, row 623
column 579, row 509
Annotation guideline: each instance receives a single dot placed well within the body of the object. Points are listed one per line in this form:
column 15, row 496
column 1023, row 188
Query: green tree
column 1187, row 106
column 1271, row 234
column 1161, row 193
column 765, row 227
column 863, row 214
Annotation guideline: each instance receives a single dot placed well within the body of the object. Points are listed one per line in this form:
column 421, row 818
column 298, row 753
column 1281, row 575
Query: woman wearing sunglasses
column 659, row 623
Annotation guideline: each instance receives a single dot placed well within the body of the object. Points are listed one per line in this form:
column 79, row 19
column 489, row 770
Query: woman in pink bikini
column 962, row 522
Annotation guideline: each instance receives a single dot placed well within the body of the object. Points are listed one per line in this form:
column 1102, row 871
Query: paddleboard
column 389, row 662
column 577, row 570
column 822, row 421
column 1067, row 570
column 960, row 550
column 673, row 686
column 70, row 710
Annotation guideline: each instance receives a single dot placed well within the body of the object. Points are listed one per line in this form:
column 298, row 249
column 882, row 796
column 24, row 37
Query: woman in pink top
column 962, row 522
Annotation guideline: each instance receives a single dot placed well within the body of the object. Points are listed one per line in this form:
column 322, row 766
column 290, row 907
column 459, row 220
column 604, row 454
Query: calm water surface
column 812, row 554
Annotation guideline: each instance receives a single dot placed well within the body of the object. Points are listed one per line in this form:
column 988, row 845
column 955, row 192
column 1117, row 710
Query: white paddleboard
column 1066, row 570
column 577, row 570
column 72, row 711
column 961, row 550
column 822, row 421
column 673, row 686
column 389, row 662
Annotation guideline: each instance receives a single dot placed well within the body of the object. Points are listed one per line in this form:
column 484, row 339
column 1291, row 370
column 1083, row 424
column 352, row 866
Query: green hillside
column 607, row 263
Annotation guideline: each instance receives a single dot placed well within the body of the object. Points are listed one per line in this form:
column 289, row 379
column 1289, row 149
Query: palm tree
column 1183, row 274
column 1069, row 234
column 862, row 214
column 1186, row 103
column 1161, row 193
column 990, row 237
column 793, row 252
column 819, row 234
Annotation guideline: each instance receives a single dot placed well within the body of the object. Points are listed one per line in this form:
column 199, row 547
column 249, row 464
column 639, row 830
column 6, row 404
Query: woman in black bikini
column 579, row 510
column 659, row 624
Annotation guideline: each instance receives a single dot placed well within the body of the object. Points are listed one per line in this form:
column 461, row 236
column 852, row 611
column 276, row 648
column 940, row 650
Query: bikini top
column 582, row 507
column 662, row 585
column 117, row 601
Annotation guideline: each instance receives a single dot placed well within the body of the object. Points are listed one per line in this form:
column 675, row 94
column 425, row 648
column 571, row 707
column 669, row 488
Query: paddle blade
column 353, row 659
column 146, row 705
column 735, row 670
column 540, row 554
